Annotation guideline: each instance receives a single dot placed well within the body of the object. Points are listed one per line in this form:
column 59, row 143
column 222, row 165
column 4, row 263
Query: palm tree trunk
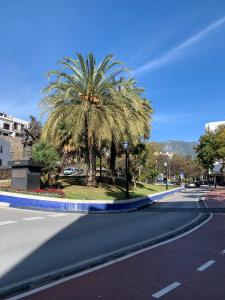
column 100, row 161
column 133, row 179
column 90, row 156
column 91, row 171
column 62, row 162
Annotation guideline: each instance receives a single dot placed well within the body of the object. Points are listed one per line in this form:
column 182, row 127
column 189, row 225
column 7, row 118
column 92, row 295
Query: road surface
column 189, row 267
column 35, row 245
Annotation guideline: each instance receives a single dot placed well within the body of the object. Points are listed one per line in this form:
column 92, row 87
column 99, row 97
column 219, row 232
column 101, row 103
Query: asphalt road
column 34, row 244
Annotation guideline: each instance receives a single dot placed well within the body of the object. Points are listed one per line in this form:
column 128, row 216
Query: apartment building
column 212, row 126
column 11, row 133
column 11, row 126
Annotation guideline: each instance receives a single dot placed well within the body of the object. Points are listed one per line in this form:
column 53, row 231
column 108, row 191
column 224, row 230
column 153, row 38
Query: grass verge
column 110, row 192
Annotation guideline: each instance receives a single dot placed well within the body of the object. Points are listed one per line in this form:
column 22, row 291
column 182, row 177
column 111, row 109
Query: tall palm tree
column 85, row 97
column 81, row 96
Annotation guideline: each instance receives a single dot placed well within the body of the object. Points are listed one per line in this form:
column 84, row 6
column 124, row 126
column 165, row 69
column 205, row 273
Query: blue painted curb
column 26, row 201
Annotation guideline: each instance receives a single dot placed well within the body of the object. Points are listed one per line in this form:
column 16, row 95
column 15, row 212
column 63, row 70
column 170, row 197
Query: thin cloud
column 185, row 118
column 174, row 52
column 173, row 119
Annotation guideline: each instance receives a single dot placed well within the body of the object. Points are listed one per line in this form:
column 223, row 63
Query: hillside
column 178, row 147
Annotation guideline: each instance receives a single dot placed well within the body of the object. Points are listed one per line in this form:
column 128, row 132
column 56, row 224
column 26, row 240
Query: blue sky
column 175, row 49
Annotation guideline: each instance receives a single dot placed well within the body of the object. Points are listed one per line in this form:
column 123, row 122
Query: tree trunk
column 133, row 179
column 91, row 171
column 62, row 162
column 90, row 156
column 100, row 161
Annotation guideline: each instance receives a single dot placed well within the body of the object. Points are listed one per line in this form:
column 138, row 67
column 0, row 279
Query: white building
column 212, row 126
column 11, row 126
column 5, row 154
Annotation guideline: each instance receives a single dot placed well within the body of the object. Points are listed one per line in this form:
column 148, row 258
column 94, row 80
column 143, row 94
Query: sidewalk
column 215, row 198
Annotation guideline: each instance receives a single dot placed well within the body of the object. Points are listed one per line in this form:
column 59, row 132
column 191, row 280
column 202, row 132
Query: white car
column 70, row 171
column 190, row 185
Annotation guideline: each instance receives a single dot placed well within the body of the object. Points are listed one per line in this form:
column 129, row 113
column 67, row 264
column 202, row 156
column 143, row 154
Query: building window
column 15, row 126
column 0, row 162
column 1, row 149
column 22, row 127
column 6, row 126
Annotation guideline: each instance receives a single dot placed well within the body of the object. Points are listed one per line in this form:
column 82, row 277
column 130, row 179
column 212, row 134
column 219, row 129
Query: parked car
column 72, row 171
column 204, row 184
column 190, row 185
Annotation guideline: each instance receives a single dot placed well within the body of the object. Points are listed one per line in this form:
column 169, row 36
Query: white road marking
column 57, row 215
column 4, row 204
column 7, row 222
column 223, row 251
column 32, row 218
column 166, row 290
column 206, row 265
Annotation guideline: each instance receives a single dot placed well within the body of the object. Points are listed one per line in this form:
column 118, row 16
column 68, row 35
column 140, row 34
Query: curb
column 87, row 206
column 38, row 281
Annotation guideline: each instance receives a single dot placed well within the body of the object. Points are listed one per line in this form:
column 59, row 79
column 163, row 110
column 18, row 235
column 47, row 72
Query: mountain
column 178, row 147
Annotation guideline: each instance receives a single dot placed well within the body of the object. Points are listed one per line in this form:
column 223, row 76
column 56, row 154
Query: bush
column 49, row 157
column 45, row 154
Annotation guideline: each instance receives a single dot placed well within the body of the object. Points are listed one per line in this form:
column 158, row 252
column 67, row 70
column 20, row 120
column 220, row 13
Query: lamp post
column 125, row 146
column 165, row 164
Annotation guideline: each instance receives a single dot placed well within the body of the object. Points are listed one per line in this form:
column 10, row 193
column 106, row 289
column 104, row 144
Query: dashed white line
column 223, row 251
column 206, row 265
column 32, row 218
column 7, row 222
column 57, row 215
column 166, row 290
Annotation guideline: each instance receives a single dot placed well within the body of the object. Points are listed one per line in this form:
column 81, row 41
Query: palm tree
column 138, row 125
column 85, row 97
column 81, row 96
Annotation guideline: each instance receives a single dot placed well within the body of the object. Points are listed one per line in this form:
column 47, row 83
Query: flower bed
column 42, row 192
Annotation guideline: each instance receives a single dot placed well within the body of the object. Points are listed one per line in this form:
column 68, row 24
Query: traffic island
column 19, row 200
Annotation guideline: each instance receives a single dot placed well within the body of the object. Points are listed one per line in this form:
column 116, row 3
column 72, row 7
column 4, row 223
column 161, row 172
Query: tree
column 206, row 150
column 137, row 125
column 220, row 145
column 48, row 156
column 142, row 162
column 79, row 97
column 95, row 112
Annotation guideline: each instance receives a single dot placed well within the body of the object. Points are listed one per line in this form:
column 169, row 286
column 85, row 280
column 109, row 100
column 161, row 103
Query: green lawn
column 103, row 191
column 110, row 192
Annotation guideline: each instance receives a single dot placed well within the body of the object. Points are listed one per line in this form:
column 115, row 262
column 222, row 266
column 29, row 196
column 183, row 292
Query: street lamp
column 165, row 164
column 125, row 146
